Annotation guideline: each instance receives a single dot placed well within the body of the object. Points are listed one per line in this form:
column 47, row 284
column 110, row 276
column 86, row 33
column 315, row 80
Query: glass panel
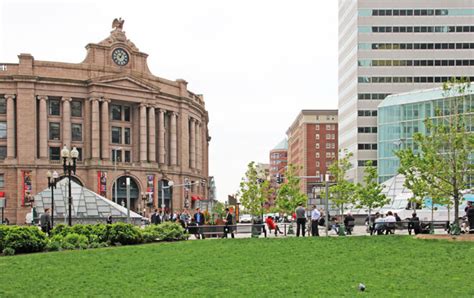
column 54, row 107
column 3, row 105
column 116, row 135
column 126, row 111
column 127, row 135
column 54, row 153
column 116, row 112
column 54, row 131
column 76, row 130
column 3, row 155
column 76, row 108
column 3, row 130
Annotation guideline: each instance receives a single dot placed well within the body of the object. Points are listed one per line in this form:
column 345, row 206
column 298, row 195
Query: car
column 245, row 218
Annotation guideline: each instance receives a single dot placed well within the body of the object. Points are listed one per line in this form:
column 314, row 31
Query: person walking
column 315, row 216
column 199, row 220
column 155, row 218
column 228, row 224
column 349, row 223
column 300, row 220
column 45, row 221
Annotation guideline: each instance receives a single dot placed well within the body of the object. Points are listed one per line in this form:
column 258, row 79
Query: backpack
column 321, row 221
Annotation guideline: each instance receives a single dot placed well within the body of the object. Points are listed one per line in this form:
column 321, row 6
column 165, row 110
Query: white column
column 66, row 121
column 10, row 126
column 192, row 148
column 95, row 139
column 43, row 127
column 105, row 130
column 174, row 140
column 151, row 135
column 161, row 136
column 143, row 133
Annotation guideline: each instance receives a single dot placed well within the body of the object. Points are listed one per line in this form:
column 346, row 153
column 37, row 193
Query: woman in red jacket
column 272, row 226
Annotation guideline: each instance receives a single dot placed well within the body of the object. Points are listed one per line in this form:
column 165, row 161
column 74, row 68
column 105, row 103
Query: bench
column 218, row 230
column 424, row 227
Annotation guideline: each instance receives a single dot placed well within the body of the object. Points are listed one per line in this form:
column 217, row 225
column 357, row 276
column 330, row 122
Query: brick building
column 124, row 121
column 278, row 160
column 312, row 144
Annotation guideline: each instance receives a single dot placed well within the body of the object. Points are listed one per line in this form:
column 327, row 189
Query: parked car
column 245, row 218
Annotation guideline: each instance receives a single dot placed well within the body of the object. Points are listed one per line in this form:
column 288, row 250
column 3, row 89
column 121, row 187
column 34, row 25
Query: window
column 317, row 136
column 317, row 127
column 117, row 154
column 54, row 107
column 2, row 180
column 116, row 112
column 54, row 131
column 328, row 154
column 79, row 158
column 3, row 130
column 116, row 135
column 3, row 105
column 76, row 108
column 317, row 164
column 328, row 127
column 328, row 145
column 54, row 153
column 328, row 136
column 317, row 145
column 3, row 152
column 127, row 135
column 76, row 132
column 127, row 156
column 317, row 154
column 126, row 113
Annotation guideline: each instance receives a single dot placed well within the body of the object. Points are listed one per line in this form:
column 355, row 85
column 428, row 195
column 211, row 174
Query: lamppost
column 115, row 172
column 52, row 180
column 163, row 187
column 69, row 166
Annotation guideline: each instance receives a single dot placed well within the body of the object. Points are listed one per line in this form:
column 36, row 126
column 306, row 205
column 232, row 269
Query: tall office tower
column 388, row 47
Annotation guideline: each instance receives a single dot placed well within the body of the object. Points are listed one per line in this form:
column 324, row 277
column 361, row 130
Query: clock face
column 120, row 57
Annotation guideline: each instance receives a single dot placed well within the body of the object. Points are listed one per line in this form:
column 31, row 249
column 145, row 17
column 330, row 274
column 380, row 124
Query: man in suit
column 155, row 218
column 199, row 219
column 228, row 224
column 45, row 221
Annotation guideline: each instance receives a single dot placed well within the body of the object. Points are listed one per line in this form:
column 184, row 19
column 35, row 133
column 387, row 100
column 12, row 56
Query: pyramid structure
column 87, row 206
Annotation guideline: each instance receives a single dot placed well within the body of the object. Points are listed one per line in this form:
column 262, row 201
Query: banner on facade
column 150, row 188
column 26, row 196
column 102, row 183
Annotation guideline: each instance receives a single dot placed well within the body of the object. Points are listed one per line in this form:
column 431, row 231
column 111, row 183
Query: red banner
column 26, row 195
column 102, row 183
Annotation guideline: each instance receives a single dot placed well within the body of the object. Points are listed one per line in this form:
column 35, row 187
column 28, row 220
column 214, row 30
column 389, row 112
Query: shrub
column 25, row 239
column 75, row 241
column 8, row 251
column 123, row 233
column 167, row 231
column 3, row 233
column 60, row 229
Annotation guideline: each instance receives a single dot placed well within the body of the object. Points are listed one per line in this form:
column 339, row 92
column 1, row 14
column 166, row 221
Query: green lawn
column 390, row 266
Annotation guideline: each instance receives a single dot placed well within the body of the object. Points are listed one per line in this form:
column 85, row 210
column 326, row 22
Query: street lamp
column 115, row 171
column 163, row 187
column 69, row 166
column 52, row 180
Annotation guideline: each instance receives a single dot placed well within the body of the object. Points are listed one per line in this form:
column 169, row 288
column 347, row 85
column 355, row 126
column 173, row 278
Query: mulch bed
column 463, row 237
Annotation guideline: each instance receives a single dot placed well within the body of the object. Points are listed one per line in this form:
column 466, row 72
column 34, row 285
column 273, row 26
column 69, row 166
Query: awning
column 195, row 198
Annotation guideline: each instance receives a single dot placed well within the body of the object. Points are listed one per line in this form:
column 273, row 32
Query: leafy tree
column 342, row 192
column 370, row 194
column 441, row 156
column 289, row 195
column 219, row 209
column 254, row 190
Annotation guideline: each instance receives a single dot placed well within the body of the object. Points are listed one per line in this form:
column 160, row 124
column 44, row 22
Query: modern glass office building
column 402, row 115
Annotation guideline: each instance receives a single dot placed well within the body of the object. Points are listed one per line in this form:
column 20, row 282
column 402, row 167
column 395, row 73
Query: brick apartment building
column 124, row 121
column 312, row 144
column 278, row 160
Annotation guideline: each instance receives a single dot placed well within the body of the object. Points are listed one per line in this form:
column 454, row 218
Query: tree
column 370, row 194
column 254, row 190
column 289, row 195
column 342, row 192
column 440, row 157
column 219, row 209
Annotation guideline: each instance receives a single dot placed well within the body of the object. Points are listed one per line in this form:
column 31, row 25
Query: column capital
column 93, row 99
column 107, row 100
column 10, row 96
column 66, row 99
column 173, row 113
column 40, row 97
column 151, row 107
column 161, row 110
column 143, row 105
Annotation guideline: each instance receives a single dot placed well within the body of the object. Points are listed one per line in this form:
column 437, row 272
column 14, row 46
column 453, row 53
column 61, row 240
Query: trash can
column 342, row 230
column 256, row 228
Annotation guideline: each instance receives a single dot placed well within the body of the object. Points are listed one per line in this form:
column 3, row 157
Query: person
column 397, row 218
column 414, row 224
column 315, row 216
column 379, row 224
column 193, row 228
column 300, row 220
column 199, row 219
column 155, row 218
column 370, row 222
column 349, row 223
column 470, row 217
column 109, row 220
column 272, row 225
column 45, row 221
column 184, row 218
column 390, row 221
column 229, row 221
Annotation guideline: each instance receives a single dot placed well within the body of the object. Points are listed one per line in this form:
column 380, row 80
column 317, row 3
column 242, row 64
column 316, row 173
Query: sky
column 257, row 63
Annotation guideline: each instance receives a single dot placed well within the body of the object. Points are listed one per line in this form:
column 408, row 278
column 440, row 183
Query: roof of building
column 421, row 95
column 283, row 145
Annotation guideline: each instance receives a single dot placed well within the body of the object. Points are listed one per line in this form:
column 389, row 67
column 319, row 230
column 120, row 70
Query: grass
column 389, row 266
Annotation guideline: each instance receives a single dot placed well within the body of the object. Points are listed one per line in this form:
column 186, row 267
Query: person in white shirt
column 315, row 216
column 390, row 221
column 379, row 224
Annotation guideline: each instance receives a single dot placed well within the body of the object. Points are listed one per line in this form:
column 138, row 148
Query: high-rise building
column 388, row 47
column 312, row 145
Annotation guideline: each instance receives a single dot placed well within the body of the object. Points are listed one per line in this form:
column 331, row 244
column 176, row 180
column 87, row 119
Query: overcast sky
column 258, row 63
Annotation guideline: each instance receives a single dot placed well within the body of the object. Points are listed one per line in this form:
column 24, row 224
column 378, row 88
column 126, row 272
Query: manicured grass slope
column 393, row 266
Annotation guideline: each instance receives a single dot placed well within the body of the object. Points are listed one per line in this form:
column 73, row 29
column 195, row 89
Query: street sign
column 2, row 203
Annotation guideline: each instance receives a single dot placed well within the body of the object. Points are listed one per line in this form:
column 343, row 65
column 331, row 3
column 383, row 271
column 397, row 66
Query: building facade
column 312, row 145
column 402, row 115
column 278, row 161
column 388, row 47
column 124, row 121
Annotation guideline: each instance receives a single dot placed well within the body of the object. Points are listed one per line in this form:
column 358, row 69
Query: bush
column 75, row 241
column 3, row 233
column 123, row 233
column 167, row 231
column 25, row 239
column 9, row 251
column 55, row 243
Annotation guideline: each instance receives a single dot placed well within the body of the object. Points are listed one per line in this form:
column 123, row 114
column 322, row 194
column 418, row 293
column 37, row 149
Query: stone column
column 151, row 135
column 174, row 140
column 43, row 127
column 161, row 136
column 105, row 129
column 95, row 139
column 143, row 134
column 198, row 145
column 192, row 149
column 10, row 126
column 67, row 121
